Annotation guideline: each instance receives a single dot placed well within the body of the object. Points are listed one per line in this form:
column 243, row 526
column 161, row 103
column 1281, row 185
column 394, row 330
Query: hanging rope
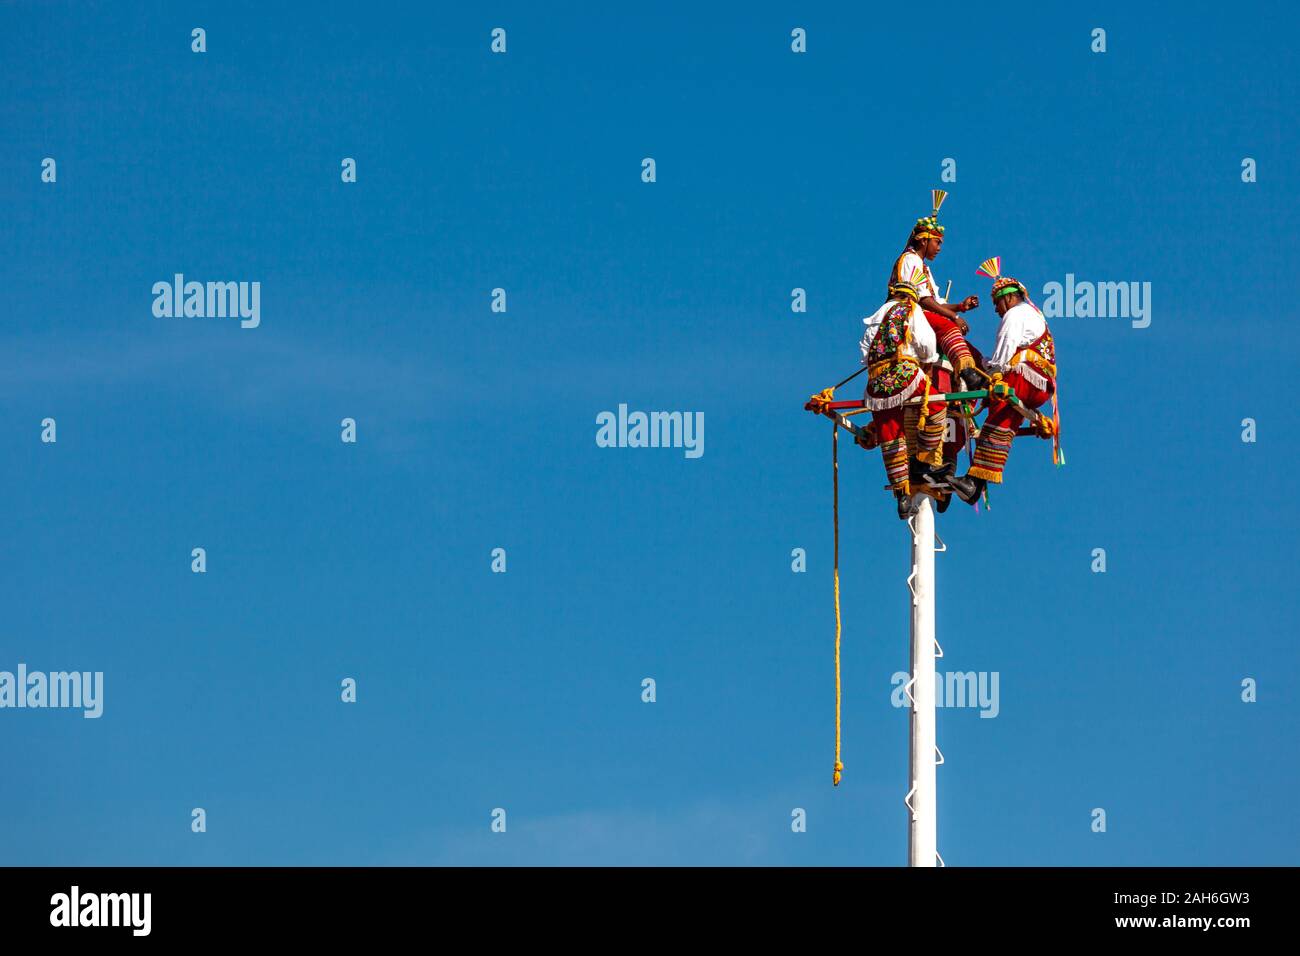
column 1058, row 453
column 835, row 485
column 923, row 410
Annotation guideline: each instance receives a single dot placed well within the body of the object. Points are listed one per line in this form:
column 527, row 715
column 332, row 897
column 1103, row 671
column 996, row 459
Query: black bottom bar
column 824, row 906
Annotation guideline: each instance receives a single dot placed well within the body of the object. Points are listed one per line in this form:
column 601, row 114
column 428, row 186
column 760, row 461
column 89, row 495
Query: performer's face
column 1006, row 302
column 932, row 246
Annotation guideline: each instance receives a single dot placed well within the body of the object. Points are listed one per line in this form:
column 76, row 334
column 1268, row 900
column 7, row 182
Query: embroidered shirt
column 920, row 345
column 1021, row 326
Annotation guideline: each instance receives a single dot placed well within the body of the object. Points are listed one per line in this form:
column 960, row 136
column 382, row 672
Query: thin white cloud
column 244, row 371
column 704, row 834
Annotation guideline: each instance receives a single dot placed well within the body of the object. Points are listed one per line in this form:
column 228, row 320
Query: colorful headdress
column 1002, row 285
column 927, row 227
column 911, row 286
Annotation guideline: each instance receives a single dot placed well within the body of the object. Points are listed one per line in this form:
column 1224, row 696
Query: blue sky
column 477, row 430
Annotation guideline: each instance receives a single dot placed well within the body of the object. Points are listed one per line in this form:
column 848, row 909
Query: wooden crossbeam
column 1025, row 412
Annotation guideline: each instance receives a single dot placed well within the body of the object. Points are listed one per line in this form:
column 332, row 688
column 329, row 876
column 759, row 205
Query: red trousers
column 998, row 430
column 951, row 342
column 900, row 439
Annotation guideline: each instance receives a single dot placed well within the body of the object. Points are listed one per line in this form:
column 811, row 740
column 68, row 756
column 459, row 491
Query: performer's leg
column 994, row 444
column 911, row 415
column 893, row 447
column 929, row 436
column 922, row 442
column 999, row 429
column 951, row 342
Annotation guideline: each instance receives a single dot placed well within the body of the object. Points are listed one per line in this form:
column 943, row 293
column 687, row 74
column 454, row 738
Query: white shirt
column 1021, row 326
column 907, row 264
column 920, row 344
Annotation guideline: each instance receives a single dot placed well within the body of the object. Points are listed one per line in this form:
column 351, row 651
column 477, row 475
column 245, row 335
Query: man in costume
column 924, row 244
column 1023, row 364
column 958, row 362
column 897, row 347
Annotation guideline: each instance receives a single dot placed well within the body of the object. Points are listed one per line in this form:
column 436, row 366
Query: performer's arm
column 931, row 304
column 923, row 340
column 1010, row 333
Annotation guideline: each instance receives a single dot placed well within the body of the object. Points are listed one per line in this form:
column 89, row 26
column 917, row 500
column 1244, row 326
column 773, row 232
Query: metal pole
column 922, row 843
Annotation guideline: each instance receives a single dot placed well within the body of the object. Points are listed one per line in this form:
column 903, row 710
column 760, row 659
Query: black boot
column 943, row 503
column 916, row 469
column 931, row 475
column 968, row 489
column 904, row 505
column 943, row 472
column 971, row 379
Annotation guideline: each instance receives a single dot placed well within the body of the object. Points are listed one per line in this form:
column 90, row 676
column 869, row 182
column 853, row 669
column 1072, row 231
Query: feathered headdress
column 927, row 227
column 1002, row 285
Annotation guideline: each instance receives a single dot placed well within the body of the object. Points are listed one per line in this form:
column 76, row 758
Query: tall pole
column 922, row 843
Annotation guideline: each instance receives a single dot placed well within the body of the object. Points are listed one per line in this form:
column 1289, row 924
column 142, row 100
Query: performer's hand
column 962, row 324
column 970, row 302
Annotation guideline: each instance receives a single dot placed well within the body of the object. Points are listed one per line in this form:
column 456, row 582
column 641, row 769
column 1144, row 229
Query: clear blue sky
column 477, row 430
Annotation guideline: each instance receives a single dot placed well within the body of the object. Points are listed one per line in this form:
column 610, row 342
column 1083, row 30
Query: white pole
column 922, row 843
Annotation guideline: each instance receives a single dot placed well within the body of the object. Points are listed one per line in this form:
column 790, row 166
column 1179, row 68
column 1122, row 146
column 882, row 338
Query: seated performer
column 1023, row 364
column 896, row 348
column 925, row 243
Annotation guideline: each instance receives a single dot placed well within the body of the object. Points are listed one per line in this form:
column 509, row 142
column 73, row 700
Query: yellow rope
column 924, row 408
column 835, row 484
column 818, row 403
